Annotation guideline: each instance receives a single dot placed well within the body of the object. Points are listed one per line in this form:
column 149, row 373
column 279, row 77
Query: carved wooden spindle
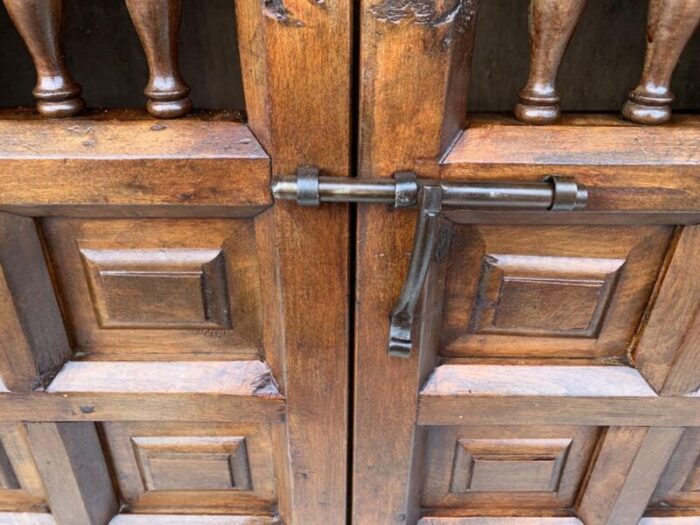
column 39, row 24
column 157, row 23
column 552, row 23
column 671, row 24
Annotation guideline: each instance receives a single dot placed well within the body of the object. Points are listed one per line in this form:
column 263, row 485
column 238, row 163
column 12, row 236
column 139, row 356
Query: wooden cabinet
column 181, row 346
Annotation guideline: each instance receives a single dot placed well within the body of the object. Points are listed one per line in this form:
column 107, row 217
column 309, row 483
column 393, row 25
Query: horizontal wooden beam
column 164, row 519
column 549, row 395
column 625, row 166
column 26, row 518
column 101, row 166
column 500, row 521
column 149, row 391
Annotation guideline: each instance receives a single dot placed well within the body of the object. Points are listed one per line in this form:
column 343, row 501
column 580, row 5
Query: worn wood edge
column 232, row 378
column 536, row 381
column 577, row 140
column 40, row 406
column 672, row 520
column 26, row 518
column 112, row 139
column 140, row 164
column 137, row 391
column 500, row 521
column 534, row 410
column 171, row 519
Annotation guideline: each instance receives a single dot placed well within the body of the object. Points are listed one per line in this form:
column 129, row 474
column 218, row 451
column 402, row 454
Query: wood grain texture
column 184, row 468
column 155, row 289
column 627, row 469
column 678, row 487
column 231, row 378
column 589, row 286
column 624, row 167
column 301, row 115
column 500, row 521
column 668, row 348
column 414, row 70
column 541, row 381
column 154, row 519
column 33, row 340
column 73, row 467
column 26, row 518
column 530, row 470
column 23, row 489
column 104, row 164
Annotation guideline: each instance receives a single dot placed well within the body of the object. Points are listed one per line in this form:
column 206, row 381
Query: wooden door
column 169, row 353
column 554, row 372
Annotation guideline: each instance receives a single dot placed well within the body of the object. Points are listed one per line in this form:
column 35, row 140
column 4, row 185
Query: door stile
column 296, row 59
column 414, row 71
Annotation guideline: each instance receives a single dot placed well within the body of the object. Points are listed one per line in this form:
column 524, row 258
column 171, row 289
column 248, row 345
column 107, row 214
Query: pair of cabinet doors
column 178, row 348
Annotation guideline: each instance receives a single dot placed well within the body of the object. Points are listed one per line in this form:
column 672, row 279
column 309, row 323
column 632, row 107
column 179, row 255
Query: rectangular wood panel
column 135, row 289
column 549, row 292
column 184, row 467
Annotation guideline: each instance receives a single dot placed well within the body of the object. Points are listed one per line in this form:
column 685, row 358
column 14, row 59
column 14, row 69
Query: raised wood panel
column 506, row 467
column 21, row 486
column 135, row 289
column 172, row 288
column 554, row 292
column 679, row 486
column 183, row 467
column 193, row 463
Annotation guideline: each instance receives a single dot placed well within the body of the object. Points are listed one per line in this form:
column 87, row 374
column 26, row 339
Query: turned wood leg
column 552, row 23
column 39, row 24
column 671, row 24
column 157, row 23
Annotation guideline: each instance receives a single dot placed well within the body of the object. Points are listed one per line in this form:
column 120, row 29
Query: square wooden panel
column 21, row 487
column 680, row 485
column 506, row 467
column 549, row 291
column 163, row 466
column 133, row 289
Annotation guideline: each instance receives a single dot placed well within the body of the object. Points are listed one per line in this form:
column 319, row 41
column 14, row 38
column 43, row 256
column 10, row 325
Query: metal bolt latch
column 431, row 197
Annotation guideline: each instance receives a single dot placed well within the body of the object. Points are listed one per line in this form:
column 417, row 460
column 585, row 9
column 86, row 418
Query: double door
column 179, row 346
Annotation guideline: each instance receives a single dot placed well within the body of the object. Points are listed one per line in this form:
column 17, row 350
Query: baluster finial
column 671, row 24
column 39, row 25
column 552, row 23
column 157, row 23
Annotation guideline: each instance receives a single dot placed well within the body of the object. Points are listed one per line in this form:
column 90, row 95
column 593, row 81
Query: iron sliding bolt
column 433, row 230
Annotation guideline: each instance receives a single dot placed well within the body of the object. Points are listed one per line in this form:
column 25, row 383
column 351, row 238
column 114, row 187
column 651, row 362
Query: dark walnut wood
column 671, row 24
column 39, row 24
column 552, row 23
column 157, row 23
